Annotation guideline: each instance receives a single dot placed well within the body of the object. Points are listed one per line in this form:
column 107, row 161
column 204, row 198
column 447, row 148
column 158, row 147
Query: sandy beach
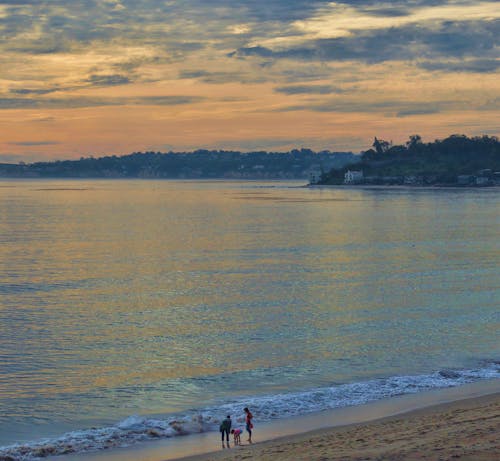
column 465, row 430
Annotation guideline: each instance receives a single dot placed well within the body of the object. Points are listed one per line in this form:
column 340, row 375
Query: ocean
column 137, row 310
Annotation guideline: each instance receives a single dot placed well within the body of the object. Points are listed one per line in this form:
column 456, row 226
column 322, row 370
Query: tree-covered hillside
column 296, row 164
column 449, row 161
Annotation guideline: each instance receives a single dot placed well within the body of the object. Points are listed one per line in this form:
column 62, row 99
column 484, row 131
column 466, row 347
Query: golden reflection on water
column 113, row 284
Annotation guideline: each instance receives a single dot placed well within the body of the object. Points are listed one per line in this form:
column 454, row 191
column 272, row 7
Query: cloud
column 397, row 11
column 186, row 46
column 34, row 143
column 47, row 46
column 308, row 89
column 108, row 80
column 490, row 105
column 80, row 102
column 59, row 25
column 39, row 91
column 345, row 56
column 221, row 77
column 393, row 107
column 21, row 2
column 262, row 10
column 417, row 111
column 93, row 81
column 17, row 103
column 344, row 20
column 193, row 74
column 163, row 100
column 133, row 41
column 132, row 64
column 43, row 120
column 387, row 106
column 452, row 40
column 471, row 65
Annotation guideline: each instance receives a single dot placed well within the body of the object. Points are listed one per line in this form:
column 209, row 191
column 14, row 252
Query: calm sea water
column 128, row 305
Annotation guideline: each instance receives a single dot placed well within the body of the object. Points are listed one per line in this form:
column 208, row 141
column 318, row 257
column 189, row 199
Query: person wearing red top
column 248, row 421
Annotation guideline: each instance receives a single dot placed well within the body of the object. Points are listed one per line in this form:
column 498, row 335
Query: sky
column 110, row 77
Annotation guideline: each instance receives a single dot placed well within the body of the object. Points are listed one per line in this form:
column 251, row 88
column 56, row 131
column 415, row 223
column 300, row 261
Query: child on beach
column 236, row 436
column 224, row 428
column 248, row 421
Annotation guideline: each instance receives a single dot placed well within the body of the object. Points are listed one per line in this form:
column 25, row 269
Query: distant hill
column 296, row 164
column 456, row 160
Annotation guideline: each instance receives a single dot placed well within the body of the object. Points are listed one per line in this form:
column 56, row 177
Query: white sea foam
column 265, row 408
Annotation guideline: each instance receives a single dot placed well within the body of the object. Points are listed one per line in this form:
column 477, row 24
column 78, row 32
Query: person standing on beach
column 248, row 421
column 225, row 428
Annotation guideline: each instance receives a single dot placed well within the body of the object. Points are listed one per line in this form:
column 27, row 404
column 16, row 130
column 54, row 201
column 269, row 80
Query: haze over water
column 168, row 298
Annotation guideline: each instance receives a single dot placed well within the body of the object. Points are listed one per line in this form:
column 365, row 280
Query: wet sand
column 443, row 424
column 462, row 430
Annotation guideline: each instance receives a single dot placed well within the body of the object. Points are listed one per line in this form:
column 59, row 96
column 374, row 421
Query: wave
column 136, row 429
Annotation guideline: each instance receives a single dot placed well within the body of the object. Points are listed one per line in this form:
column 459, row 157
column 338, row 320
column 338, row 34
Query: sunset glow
column 111, row 77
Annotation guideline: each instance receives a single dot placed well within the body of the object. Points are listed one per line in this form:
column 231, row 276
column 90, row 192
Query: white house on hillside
column 353, row 177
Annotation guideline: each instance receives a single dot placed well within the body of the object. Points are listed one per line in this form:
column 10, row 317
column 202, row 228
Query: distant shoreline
column 284, row 180
column 400, row 187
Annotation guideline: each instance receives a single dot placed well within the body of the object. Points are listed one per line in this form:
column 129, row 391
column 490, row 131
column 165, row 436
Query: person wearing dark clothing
column 225, row 429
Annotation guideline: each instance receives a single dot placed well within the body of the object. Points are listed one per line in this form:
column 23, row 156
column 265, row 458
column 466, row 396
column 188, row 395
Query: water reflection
column 116, row 295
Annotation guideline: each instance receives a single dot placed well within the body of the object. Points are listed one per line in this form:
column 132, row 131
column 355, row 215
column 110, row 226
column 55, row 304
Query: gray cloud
column 308, row 89
column 392, row 107
column 164, row 100
column 131, row 65
column 45, row 46
column 39, row 91
column 222, row 77
column 93, row 80
column 417, row 111
column 169, row 27
column 492, row 104
column 185, row 46
column 21, row 2
column 171, row 31
column 108, row 80
column 193, row 74
column 474, row 65
column 34, row 143
column 79, row 102
column 451, row 39
column 306, row 71
column 263, row 10
column 62, row 25
column 17, row 103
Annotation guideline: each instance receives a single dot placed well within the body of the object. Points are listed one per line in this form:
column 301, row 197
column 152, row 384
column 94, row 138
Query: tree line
column 437, row 162
column 294, row 164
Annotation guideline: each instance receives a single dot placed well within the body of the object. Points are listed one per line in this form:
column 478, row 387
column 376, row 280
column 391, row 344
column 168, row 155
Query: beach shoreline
column 461, row 429
column 273, row 439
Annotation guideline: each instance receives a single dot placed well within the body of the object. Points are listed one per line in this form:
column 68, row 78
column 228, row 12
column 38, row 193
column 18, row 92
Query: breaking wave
column 136, row 429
